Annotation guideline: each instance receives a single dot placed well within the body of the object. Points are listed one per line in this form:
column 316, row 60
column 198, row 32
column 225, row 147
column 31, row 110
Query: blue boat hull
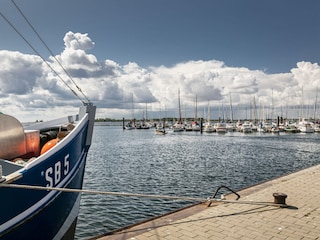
column 44, row 214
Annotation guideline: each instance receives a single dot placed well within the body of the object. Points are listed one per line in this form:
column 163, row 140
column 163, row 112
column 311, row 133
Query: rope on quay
column 209, row 200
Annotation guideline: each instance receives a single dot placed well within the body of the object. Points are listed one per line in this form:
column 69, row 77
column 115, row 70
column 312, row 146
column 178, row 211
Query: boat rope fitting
column 222, row 196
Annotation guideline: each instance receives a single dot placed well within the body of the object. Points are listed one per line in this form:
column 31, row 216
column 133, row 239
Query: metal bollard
column 280, row 198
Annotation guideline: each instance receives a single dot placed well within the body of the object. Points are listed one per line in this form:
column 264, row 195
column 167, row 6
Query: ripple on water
column 186, row 164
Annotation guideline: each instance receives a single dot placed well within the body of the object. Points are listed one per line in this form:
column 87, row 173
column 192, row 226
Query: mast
column 208, row 117
column 180, row 121
column 223, row 117
column 272, row 107
column 231, row 110
column 254, row 110
column 301, row 106
column 220, row 113
column 287, row 106
column 132, row 107
column 315, row 106
column 146, row 119
column 196, row 110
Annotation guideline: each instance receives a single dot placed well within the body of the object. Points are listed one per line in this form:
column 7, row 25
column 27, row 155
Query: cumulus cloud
column 18, row 72
column 307, row 75
column 77, row 41
column 28, row 84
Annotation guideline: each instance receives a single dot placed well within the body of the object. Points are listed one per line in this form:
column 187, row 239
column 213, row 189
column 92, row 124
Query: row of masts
column 240, row 113
column 253, row 112
column 280, row 125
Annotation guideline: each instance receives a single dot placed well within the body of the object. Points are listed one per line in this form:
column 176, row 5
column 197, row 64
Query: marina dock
column 255, row 218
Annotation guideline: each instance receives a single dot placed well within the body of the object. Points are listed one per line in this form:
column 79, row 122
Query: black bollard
column 280, row 198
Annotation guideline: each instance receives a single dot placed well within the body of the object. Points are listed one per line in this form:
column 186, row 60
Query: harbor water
column 187, row 164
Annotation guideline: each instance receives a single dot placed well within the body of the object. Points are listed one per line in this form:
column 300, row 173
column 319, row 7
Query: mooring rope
column 42, row 58
column 125, row 194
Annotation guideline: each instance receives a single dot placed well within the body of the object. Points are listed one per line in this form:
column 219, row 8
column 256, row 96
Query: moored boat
column 178, row 127
column 291, row 129
column 208, row 127
column 246, row 127
column 142, row 125
column 316, row 128
column 160, row 131
column 187, row 126
column 220, row 127
column 195, row 126
column 305, row 126
column 42, row 167
column 275, row 129
column 231, row 127
column 130, row 125
column 50, row 155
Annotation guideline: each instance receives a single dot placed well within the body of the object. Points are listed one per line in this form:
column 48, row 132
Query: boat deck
column 299, row 220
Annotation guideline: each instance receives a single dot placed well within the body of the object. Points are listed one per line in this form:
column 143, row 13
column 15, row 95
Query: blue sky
column 269, row 35
column 246, row 48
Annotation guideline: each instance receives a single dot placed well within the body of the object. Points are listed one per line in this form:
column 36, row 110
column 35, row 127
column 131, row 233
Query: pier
column 298, row 217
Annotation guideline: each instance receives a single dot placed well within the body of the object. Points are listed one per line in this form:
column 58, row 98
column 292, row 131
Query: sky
column 124, row 53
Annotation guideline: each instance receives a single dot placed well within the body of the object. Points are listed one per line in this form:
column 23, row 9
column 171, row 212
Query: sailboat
column 231, row 125
column 208, row 127
column 131, row 124
column 178, row 126
column 160, row 127
column 195, row 124
column 221, row 126
column 35, row 162
column 304, row 125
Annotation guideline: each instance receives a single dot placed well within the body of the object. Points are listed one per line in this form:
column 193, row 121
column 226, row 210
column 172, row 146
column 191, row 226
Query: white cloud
column 307, row 75
column 34, row 90
column 18, row 72
column 78, row 41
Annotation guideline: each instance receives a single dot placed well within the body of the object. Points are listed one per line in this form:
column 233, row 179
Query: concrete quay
column 299, row 219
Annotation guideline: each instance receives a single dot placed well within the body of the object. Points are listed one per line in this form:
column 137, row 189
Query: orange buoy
column 50, row 144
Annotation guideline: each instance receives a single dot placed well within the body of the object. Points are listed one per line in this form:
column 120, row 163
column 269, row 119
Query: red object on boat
column 50, row 144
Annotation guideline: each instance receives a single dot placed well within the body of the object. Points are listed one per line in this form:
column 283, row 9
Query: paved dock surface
column 299, row 220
